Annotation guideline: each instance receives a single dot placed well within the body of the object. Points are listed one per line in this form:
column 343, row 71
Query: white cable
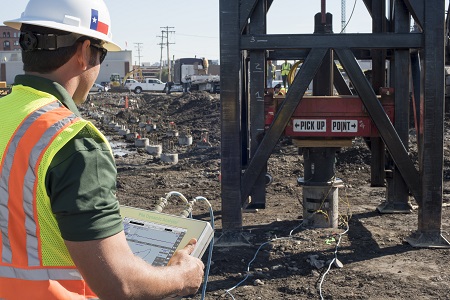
column 211, row 245
column 187, row 212
column 173, row 193
column 332, row 261
column 248, row 266
column 256, row 253
column 286, row 238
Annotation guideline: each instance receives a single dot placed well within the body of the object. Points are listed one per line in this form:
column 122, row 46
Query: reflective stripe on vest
column 40, row 274
column 20, row 243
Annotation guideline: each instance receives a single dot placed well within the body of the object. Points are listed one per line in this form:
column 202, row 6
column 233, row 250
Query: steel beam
column 300, row 54
column 381, row 120
column 336, row 41
column 296, row 91
column 377, row 148
column 246, row 9
column 416, row 8
column 231, row 135
column 255, row 107
column 397, row 196
column 430, row 210
column 370, row 8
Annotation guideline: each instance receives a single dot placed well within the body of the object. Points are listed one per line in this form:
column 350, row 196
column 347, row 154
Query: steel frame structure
column 246, row 146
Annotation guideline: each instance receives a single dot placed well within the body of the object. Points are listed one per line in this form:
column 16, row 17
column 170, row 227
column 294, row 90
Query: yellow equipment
column 136, row 73
column 114, row 80
column 4, row 90
column 293, row 72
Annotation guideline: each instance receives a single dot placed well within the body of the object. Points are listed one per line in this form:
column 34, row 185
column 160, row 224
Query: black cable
column 351, row 15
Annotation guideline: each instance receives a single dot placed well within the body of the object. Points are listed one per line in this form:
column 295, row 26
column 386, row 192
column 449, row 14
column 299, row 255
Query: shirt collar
column 50, row 87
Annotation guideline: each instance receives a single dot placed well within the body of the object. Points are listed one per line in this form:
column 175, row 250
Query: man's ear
column 84, row 54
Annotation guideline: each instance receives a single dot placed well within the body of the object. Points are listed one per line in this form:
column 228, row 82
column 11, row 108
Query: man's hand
column 192, row 268
column 114, row 272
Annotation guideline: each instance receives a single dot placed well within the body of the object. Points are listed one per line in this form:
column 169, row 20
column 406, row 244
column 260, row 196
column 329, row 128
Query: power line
column 161, row 57
column 139, row 52
column 165, row 34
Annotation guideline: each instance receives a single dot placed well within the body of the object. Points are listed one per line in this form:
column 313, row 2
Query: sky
column 137, row 24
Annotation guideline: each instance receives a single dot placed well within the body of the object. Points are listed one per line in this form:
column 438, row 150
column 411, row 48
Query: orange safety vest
column 34, row 261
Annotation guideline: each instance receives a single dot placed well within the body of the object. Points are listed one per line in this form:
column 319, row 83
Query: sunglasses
column 102, row 51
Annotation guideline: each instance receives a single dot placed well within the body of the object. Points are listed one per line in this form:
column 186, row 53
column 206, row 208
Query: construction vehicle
column 4, row 90
column 191, row 74
column 117, row 84
column 115, row 80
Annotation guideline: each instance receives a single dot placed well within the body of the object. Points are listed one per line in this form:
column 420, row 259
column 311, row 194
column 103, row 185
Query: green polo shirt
column 81, row 179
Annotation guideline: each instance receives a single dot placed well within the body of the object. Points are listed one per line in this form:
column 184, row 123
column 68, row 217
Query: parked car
column 98, row 88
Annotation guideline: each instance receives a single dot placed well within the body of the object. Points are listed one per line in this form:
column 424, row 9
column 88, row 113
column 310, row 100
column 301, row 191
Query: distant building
column 11, row 58
column 9, row 39
column 116, row 62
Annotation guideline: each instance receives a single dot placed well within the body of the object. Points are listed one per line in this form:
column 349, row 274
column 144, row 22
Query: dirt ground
column 283, row 259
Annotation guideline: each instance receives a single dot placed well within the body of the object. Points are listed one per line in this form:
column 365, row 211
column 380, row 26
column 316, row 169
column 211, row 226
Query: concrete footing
column 141, row 143
column 155, row 150
column 321, row 204
column 131, row 137
column 169, row 158
column 185, row 140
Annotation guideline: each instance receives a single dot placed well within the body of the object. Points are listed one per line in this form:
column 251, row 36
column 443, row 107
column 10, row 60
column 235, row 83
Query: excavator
column 117, row 84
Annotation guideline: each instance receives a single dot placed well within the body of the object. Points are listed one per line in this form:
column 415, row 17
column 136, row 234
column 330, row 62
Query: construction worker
column 285, row 69
column 61, row 232
column 270, row 74
column 278, row 90
column 205, row 64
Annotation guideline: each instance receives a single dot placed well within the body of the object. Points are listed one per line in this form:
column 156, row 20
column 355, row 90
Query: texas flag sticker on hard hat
column 96, row 24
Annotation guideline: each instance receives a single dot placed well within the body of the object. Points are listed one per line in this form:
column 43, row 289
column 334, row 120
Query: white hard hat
column 85, row 17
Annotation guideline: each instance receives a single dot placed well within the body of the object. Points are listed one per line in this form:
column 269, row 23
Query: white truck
column 148, row 85
column 191, row 74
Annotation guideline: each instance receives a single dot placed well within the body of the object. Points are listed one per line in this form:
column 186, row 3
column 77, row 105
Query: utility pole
column 166, row 32
column 161, row 57
column 139, row 52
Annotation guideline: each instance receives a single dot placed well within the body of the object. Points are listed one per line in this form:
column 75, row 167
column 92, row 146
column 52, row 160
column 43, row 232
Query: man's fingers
column 190, row 246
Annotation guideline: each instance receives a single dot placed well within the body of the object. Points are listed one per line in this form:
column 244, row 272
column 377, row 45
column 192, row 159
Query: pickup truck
column 149, row 85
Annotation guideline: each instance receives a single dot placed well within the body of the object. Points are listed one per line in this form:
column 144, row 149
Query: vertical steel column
column 293, row 97
column 378, row 80
column 257, row 25
column 231, row 135
column 323, row 81
column 397, row 191
column 320, row 189
column 430, row 210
